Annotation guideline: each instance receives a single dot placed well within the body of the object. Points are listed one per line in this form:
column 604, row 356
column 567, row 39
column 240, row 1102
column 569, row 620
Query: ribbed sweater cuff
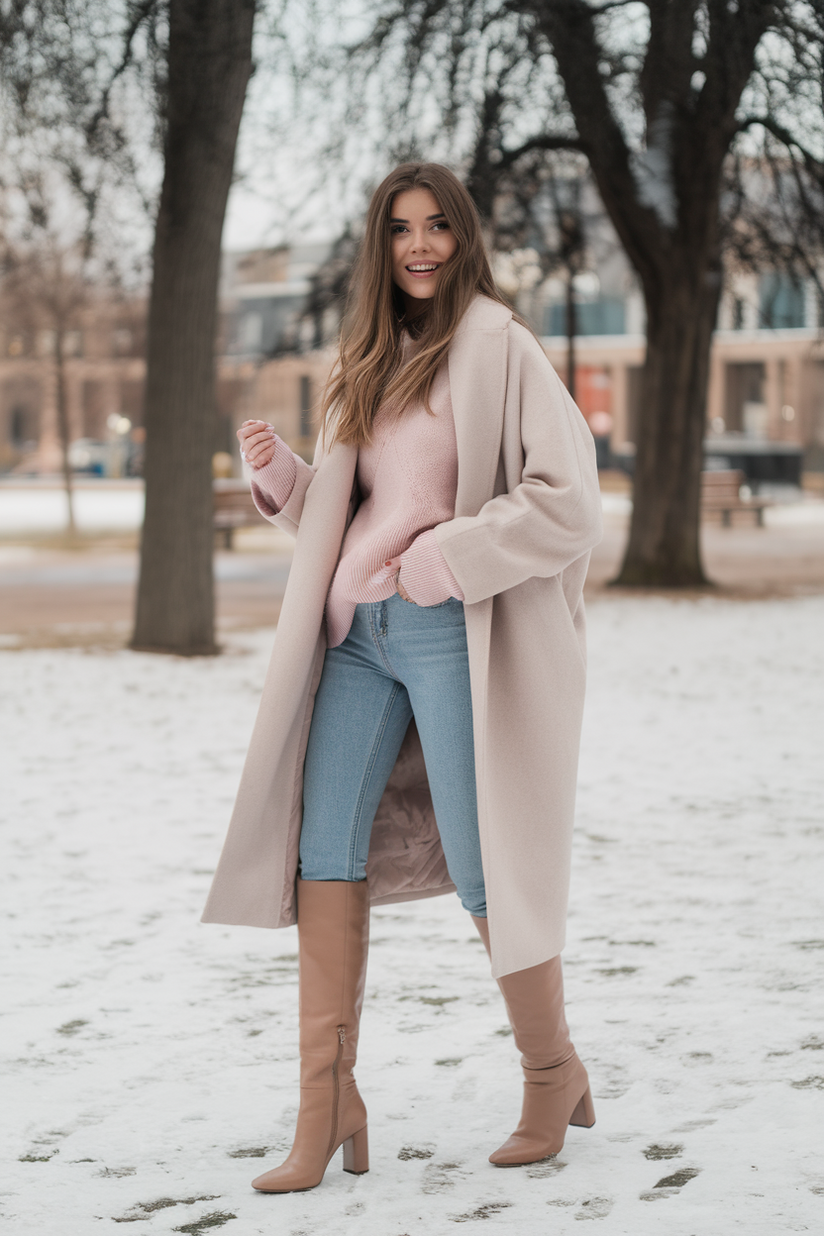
column 272, row 484
column 425, row 575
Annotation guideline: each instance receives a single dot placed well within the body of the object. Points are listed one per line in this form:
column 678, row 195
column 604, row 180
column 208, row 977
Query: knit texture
column 273, row 483
column 408, row 478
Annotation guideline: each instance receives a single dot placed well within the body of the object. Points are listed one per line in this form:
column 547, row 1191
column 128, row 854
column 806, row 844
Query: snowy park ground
column 150, row 1062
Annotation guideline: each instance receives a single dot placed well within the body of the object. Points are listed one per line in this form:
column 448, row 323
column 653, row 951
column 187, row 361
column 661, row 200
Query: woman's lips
column 423, row 274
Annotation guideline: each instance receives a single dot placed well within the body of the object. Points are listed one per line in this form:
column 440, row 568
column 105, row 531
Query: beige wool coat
column 527, row 514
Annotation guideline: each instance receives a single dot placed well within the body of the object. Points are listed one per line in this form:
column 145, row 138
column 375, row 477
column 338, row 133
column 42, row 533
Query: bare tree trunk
column 210, row 62
column 571, row 331
column 664, row 545
column 667, row 214
column 63, row 428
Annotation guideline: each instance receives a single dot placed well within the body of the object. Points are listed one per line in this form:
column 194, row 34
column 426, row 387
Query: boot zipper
column 336, row 1091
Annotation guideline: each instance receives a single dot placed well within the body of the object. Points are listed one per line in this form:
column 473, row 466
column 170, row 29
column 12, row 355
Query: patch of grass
column 655, row 1152
column 611, row 971
column 450, row 1061
column 415, row 1152
column 250, row 1152
column 437, row 1001
column 37, row 1158
column 809, row 1083
column 677, row 1179
column 217, row 1219
column 72, row 1027
column 163, row 1203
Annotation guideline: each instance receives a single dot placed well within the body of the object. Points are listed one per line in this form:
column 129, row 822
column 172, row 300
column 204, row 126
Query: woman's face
column 422, row 244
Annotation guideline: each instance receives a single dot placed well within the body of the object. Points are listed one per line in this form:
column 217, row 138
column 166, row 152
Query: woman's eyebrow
column 428, row 218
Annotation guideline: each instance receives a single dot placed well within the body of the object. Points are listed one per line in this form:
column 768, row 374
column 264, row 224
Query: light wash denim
column 398, row 660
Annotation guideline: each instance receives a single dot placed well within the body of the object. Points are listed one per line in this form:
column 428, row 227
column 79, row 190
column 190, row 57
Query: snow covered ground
column 39, row 507
column 150, row 1061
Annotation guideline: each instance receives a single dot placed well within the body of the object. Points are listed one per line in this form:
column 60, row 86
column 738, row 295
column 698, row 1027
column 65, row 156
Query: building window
column 123, row 341
column 593, row 317
column 17, row 426
column 95, row 408
column 250, row 333
column 738, row 313
column 744, row 392
column 781, row 301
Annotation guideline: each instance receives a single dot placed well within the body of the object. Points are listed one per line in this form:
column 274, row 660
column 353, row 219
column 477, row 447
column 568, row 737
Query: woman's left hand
column 395, row 564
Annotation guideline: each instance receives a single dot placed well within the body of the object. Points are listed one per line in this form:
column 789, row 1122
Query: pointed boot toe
column 554, row 1098
column 302, row 1172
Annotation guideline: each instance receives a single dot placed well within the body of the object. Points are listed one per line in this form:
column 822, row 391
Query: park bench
column 234, row 508
column 721, row 493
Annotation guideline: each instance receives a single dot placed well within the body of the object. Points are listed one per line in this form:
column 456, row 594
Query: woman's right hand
column 257, row 443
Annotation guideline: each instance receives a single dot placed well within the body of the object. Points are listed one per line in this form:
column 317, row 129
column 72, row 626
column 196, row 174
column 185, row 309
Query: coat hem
column 287, row 920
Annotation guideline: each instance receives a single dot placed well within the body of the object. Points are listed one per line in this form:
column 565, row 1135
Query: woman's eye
column 397, row 227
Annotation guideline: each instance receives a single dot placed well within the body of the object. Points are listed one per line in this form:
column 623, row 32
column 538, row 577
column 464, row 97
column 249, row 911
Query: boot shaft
column 333, row 944
column 534, row 1000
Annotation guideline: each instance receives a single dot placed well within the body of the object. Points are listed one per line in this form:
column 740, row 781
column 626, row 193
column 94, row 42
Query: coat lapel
column 477, row 380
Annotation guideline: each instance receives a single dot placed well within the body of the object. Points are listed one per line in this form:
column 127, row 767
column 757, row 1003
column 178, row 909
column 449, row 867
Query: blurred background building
column 280, row 314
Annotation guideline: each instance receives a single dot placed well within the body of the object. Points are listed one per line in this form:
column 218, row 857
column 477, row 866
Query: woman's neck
column 414, row 315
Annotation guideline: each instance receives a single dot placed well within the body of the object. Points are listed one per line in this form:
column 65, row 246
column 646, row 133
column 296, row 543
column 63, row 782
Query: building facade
column 766, row 381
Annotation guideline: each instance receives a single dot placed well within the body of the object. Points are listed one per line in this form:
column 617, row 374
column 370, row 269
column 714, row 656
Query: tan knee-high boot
column 556, row 1086
column 333, row 940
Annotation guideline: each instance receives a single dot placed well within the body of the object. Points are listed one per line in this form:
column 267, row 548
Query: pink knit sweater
column 408, row 477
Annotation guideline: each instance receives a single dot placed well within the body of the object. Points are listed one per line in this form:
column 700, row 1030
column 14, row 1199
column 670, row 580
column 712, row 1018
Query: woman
column 429, row 663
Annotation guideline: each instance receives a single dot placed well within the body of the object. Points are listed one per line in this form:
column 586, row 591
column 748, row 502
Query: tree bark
column 571, row 331
column 664, row 202
column 63, row 427
column 664, row 542
column 210, row 62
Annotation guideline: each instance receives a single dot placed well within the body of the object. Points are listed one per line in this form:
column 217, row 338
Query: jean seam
column 380, row 650
column 367, row 776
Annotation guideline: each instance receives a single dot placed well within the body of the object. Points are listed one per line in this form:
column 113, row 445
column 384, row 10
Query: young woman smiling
column 419, row 727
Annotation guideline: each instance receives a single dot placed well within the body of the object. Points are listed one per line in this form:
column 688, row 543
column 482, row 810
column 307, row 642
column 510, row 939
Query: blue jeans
column 399, row 660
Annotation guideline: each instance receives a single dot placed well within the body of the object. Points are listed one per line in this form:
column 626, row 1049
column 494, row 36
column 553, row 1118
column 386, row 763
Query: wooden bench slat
column 721, row 492
column 234, row 507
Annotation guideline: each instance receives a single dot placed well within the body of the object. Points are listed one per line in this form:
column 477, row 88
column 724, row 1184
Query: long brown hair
column 368, row 372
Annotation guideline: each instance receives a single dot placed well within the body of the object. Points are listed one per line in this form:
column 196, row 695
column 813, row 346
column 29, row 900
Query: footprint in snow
column 440, row 1177
column 595, row 1208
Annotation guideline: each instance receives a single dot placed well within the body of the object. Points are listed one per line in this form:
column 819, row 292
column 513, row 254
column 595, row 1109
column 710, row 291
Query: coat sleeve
column 553, row 515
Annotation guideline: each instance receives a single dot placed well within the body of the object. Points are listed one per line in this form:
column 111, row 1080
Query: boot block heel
column 356, row 1153
column 584, row 1114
